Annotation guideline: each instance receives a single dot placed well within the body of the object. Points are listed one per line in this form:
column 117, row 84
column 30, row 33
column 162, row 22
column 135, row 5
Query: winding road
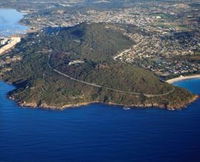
column 100, row 86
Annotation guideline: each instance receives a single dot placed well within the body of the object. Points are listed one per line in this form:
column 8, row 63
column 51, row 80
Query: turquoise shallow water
column 99, row 132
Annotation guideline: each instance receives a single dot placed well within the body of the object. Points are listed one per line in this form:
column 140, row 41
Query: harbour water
column 9, row 22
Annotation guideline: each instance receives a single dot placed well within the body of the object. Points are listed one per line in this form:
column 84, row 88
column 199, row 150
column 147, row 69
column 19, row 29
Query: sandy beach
column 170, row 81
column 11, row 44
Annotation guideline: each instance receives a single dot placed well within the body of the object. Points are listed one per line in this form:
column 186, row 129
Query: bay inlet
column 9, row 22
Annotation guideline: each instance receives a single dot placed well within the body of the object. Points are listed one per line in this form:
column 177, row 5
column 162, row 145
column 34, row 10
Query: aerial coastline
column 145, row 101
column 98, row 79
column 77, row 105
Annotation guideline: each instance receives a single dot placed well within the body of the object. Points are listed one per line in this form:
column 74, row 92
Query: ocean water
column 99, row 132
column 9, row 22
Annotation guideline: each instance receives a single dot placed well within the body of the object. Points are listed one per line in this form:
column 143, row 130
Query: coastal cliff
column 175, row 106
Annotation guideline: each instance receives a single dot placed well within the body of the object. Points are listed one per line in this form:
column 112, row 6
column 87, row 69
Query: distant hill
column 64, row 67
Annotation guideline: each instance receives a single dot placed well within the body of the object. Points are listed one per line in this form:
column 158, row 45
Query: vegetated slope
column 94, row 42
column 70, row 66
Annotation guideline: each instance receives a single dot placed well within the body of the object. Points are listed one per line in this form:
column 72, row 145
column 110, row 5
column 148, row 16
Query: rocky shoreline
column 146, row 105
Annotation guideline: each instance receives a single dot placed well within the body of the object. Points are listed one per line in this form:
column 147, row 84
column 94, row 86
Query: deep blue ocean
column 99, row 132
